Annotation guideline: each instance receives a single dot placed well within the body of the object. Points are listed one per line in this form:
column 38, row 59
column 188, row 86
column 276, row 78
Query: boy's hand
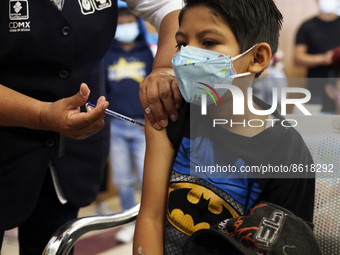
column 160, row 97
column 64, row 115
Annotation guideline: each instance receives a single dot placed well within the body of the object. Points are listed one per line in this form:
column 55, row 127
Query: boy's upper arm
column 157, row 168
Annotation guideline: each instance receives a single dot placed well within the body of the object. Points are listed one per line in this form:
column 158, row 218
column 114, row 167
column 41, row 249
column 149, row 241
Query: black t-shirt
column 196, row 201
column 277, row 145
column 320, row 36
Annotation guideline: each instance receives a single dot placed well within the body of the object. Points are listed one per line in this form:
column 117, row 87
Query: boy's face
column 202, row 29
column 125, row 19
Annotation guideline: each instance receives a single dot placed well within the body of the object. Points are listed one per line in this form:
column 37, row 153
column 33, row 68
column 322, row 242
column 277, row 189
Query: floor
column 94, row 243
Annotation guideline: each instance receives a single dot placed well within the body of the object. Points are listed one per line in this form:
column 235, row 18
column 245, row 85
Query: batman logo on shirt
column 192, row 207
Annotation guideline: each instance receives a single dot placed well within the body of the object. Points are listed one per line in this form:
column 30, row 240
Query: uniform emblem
column 18, row 10
column 102, row 4
column 90, row 6
column 86, row 6
column 19, row 16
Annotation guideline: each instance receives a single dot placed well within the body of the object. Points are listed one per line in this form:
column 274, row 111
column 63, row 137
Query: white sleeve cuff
column 153, row 11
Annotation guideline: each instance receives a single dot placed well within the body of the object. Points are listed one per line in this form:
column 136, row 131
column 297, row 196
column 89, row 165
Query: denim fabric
column 127, row 154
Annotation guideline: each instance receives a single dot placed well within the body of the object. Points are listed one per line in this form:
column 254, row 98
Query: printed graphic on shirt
column 90, row 6
column 19, row 16
column 127, row 69
column 201, row 152
column 192, row 207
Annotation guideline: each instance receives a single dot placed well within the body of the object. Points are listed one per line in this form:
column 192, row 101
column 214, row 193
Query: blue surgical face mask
column 197, row 70
column 127, row 33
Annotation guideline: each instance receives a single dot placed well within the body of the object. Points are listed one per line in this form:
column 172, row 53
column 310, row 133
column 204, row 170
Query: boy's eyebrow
column 179, row 33
column 210, row 31
column 203, row 33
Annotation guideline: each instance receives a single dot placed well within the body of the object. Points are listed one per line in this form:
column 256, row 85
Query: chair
column 322, row 136
column 66, row 236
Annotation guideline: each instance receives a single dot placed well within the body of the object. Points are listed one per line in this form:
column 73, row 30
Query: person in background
column 128, row 61
column 317, row 48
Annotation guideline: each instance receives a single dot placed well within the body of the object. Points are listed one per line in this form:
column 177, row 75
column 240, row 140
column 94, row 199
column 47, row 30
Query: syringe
column 119, row 116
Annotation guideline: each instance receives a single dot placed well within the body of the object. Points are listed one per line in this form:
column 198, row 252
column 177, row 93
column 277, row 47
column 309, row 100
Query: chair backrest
column 67, row 235
column 322, row 136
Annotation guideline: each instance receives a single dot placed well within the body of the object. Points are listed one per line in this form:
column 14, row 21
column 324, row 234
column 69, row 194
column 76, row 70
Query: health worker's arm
column 159, row 90
column 63, row 116
column 149, row 232
column 154, row 11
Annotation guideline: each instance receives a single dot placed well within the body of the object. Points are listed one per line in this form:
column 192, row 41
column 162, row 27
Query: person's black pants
column 48, row 216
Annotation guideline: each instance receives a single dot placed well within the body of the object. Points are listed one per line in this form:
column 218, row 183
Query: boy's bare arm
column 157, row 168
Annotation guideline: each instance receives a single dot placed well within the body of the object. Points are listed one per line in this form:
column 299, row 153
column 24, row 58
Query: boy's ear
column 261, row 56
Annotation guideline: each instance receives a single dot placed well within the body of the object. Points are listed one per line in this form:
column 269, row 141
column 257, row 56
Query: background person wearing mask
column 317, row 43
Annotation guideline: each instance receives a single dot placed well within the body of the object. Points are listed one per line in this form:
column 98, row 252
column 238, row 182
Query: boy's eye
column 209, row 43
column 180, row 44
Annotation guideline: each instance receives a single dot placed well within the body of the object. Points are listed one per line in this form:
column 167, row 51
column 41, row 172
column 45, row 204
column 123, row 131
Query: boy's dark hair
column 124, row 11
column 251, row 21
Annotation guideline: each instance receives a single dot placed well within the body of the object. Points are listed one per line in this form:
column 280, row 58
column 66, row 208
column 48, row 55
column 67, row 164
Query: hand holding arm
column 62, row 116
column 159, row 90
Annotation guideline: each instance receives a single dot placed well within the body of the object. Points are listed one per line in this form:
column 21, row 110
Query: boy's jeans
column 127, row 151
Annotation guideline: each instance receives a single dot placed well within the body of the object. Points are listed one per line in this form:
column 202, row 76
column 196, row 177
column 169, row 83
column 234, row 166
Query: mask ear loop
column 241, row 55
column 242, row 74
column 244, row 53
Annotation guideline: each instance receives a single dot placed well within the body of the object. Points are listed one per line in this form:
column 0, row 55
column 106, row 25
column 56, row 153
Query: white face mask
column 198, row 70
column 328, row 6
column 127, row 33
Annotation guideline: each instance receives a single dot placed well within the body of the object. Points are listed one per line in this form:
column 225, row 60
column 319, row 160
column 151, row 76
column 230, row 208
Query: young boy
column 176, row 203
